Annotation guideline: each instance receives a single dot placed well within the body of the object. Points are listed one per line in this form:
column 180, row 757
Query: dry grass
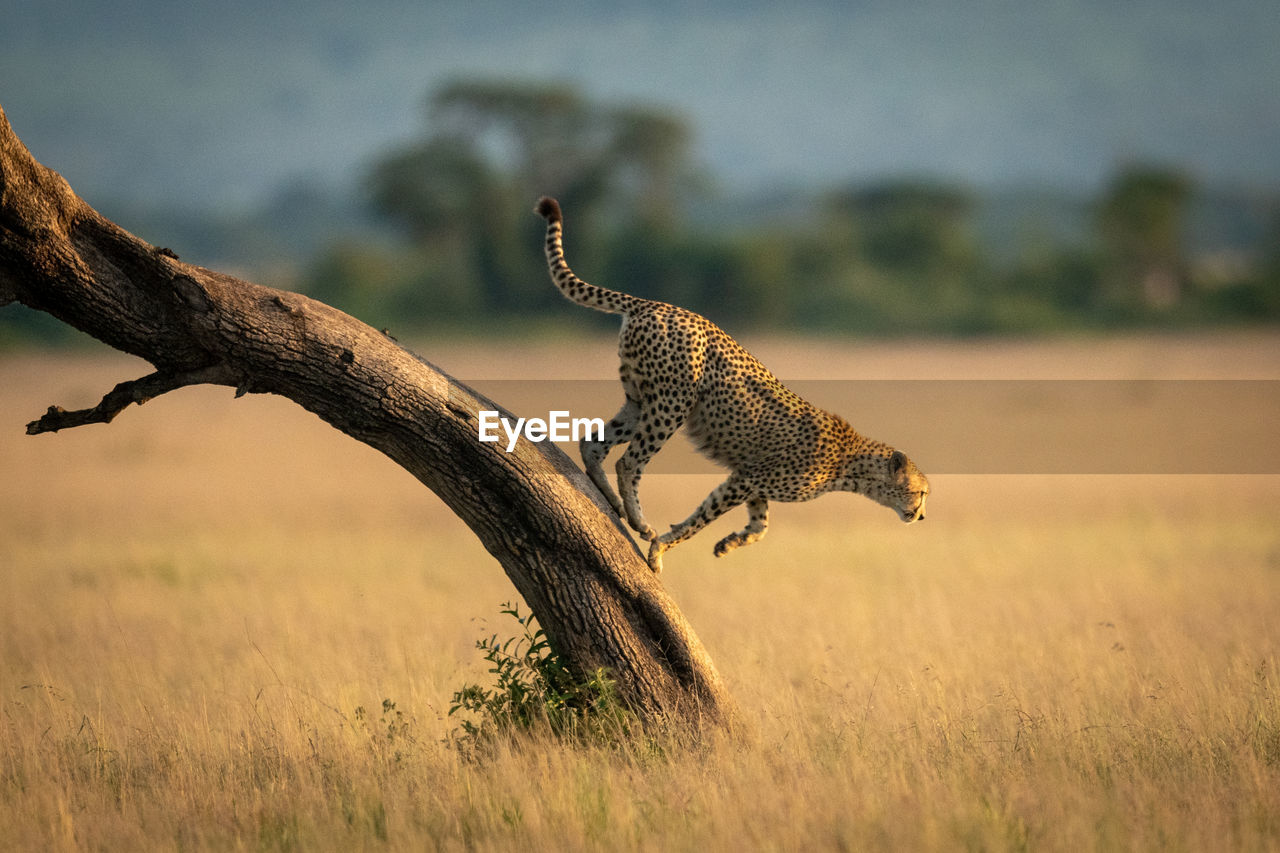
column 195, row 600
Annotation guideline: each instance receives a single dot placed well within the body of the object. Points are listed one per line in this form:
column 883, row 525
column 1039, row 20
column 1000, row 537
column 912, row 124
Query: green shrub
column 534, row 689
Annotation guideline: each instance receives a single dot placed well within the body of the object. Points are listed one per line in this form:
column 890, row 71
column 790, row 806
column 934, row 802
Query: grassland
column 196, row 600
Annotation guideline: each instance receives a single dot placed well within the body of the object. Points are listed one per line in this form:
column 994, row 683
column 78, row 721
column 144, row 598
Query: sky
column 207, row 104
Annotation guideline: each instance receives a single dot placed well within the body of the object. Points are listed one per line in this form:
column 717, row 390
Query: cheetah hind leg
column 723, row 498
column 653, row 426
column 652, row 429
column 618, row 430
column 629, row 469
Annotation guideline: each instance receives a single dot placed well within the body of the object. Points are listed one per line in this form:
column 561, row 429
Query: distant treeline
column 900, row 256
column 455, row 243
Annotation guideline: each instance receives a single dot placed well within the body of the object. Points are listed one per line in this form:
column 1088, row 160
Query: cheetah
column 679, row 368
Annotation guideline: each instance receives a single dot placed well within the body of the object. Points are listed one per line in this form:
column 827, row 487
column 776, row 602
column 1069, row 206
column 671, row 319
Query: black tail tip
column 549, row 209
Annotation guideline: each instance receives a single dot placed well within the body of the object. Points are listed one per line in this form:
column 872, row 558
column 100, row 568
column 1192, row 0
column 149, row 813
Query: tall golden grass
column 223, row 625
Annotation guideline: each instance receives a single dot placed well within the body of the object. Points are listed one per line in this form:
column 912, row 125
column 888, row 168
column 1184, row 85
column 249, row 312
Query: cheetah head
column 904, row 488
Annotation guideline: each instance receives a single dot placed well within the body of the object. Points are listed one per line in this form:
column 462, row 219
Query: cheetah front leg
column 757, row 526
column 725, row 497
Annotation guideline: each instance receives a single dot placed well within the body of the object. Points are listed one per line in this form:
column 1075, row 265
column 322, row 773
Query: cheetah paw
column 655, row 556
column 725, row 545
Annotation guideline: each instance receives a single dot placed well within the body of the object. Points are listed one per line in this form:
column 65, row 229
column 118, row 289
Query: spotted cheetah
column 680, row 368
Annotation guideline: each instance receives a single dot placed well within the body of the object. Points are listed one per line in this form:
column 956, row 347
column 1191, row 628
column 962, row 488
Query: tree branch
column 134, row 391
column 534, row 510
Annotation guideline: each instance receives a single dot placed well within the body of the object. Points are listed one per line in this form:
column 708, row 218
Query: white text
column 557, row 427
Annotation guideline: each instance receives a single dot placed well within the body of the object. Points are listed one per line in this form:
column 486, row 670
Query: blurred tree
column 1257, row 297
column 1141, row 218
column 390, row 287
column 1049, row 288
column 650, row 152
column 912, row 226
column 493, row 147
column 898, row 254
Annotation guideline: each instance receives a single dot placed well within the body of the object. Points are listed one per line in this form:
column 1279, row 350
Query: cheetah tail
column 549, row 209
column 577, row 290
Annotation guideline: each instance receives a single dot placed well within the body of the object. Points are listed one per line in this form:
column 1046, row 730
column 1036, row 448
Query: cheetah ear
column 897, row 462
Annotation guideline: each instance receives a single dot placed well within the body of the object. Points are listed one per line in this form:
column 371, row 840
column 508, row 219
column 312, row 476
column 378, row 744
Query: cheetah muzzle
column 678, row 368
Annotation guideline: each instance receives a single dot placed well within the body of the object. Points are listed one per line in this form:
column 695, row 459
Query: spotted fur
column 679, row 368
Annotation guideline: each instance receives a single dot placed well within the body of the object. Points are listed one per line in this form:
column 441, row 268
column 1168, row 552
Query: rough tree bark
column 534, row 510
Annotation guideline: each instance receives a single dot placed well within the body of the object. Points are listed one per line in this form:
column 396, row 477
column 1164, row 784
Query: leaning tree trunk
column 535, row 511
